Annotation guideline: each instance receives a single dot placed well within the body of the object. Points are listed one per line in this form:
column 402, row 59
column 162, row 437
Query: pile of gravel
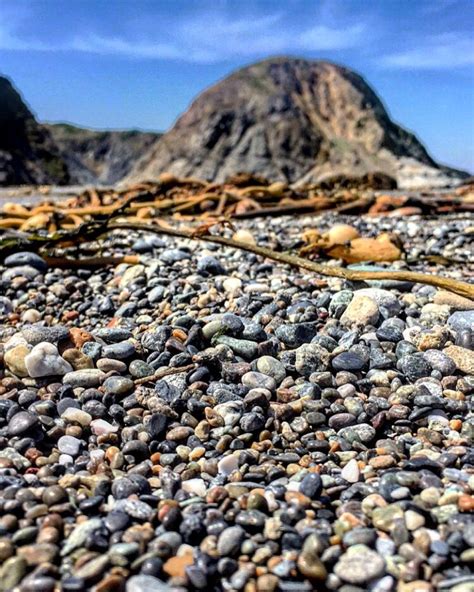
column 318, row 438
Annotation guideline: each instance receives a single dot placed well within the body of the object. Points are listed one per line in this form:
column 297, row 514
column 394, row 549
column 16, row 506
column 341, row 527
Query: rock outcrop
column 293, row 120
column 28, row 154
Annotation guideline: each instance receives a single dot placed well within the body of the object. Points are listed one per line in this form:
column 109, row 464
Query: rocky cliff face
column 293, row 120
column 102, row 157
column 28, row 154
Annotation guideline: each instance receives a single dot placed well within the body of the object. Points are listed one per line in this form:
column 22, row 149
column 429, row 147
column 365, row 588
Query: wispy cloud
column 449, row 50
column 206, row 38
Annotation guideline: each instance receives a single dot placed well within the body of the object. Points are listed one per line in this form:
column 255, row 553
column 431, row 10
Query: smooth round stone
column 359, row 565
column 69, row 445
column 258, row 380
column 118, row 385
column 127, row 309
column 311, row 485
column 31, row 315
column 228, row 465
column 113, row 334
column 252, row 422
column 119, row 351
column 15, row 360
column 360, row 536
column 230, row 541
column 88, row 378
column 390, row 331
column 341, row 420
column 111, row 365
column 271, row 367
column 140, row 369
column 26, row 258
column 44, row 360
column 92, row 349
column 21, row 423
column 156, row 294
column 73, row 415
column 53, row 495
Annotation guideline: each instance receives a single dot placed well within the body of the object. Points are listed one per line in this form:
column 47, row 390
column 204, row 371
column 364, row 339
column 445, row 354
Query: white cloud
column 450, row 50
column 206, row 38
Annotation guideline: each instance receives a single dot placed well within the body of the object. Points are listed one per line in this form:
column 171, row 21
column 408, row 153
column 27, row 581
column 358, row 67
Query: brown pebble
column 111, row 583
column 176, row 566
column 466, row 503
column 383, row 461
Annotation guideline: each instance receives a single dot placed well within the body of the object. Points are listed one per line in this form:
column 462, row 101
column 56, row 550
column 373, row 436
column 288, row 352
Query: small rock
column 69, row 445
column 15, row 360
column 359, row 565
column 230, row 540
column 462, row 357
column 88, row 378
column 461, row 320
column 361, row 311
column 351, row 471
column 21, row 423
column 44, row 360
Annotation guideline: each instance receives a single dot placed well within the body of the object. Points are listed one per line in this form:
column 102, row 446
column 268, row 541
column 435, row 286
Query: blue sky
column 139, row 63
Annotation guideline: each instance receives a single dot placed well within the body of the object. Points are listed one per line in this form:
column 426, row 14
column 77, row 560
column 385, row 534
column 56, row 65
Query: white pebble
column 232, row 285
column 31, row 316
column 351, row 471
column 100, row 427
column 228, row 465
column 69, row 445
column 44, row 360
column 195, row 486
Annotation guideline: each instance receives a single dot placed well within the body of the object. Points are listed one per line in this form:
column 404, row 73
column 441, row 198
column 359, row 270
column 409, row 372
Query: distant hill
column 28, row 154
column 102, row 157
column 294, row 120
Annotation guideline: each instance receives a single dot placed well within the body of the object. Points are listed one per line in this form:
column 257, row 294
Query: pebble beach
column 210, row 420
